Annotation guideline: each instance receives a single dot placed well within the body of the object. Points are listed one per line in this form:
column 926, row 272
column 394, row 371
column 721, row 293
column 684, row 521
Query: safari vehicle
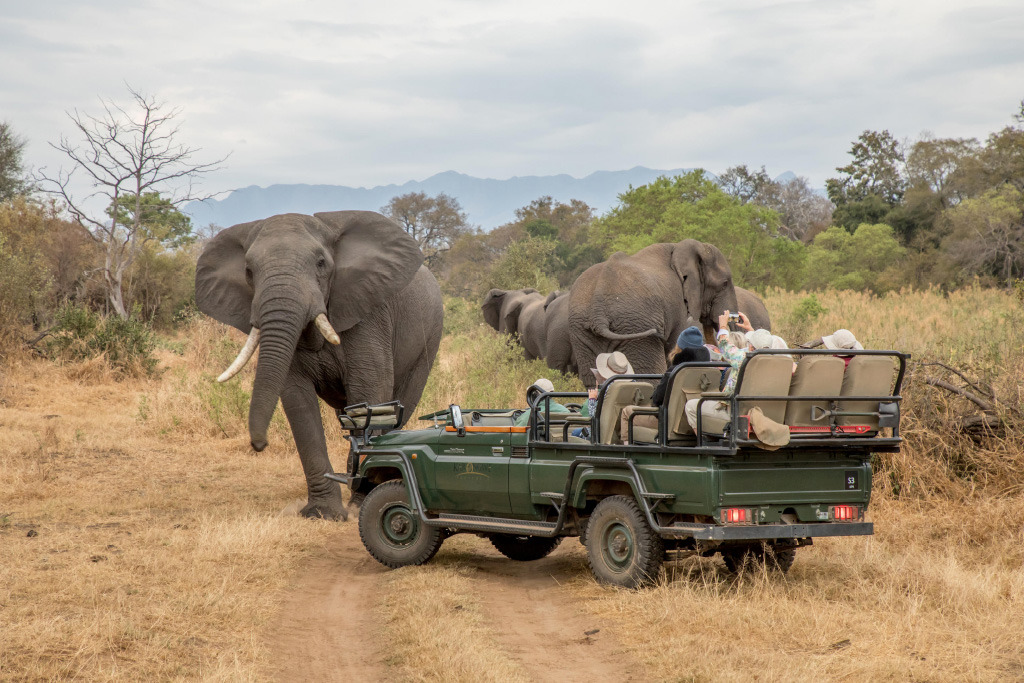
column 673, row 489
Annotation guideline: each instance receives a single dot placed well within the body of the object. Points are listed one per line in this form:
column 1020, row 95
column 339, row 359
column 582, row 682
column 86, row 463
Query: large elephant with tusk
column 339, row 306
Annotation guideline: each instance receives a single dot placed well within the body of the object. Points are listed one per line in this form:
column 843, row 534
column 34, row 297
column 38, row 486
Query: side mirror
column 457, row 422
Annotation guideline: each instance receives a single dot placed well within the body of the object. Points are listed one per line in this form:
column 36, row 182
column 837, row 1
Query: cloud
column 362, row 93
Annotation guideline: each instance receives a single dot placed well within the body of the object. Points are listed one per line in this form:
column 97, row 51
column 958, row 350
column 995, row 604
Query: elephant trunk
column 282, row 320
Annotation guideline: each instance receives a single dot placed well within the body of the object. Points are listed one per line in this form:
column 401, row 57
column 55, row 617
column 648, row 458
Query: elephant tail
column 603, row 331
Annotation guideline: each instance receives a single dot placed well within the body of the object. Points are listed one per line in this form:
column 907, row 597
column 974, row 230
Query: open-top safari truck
column 673, row 488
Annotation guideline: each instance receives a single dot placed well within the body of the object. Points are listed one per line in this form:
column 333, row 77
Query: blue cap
column 691, row 337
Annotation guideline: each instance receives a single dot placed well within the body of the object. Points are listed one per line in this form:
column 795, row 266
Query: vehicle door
column 471, row 470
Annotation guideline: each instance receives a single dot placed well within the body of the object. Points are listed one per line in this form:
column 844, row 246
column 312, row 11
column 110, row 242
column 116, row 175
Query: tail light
column 736, row 515
column 845, row 513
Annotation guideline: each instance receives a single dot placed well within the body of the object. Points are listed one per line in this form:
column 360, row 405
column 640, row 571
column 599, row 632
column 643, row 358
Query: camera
column 734, row 316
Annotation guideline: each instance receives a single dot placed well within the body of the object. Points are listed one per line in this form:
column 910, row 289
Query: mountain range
column 487, row 202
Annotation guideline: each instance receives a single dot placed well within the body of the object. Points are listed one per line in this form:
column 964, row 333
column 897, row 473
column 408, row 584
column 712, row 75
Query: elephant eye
column 248, row 274
column 321, row 262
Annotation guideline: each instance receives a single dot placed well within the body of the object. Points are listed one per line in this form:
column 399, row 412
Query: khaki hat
column 842, row 339
column 611, row 364
column 770, row 433
column 760, row 339
column 545, row 385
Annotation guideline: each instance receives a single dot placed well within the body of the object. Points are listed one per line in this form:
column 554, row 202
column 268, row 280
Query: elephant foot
column 325, row 509
column 357, row 500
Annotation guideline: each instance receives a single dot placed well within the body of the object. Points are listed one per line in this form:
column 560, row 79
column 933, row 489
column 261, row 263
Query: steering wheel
column 516, row 414
column 532, row 393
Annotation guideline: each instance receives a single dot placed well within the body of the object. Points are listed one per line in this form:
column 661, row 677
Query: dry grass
column 161, row 551
column 432, row 622
column 157, row 547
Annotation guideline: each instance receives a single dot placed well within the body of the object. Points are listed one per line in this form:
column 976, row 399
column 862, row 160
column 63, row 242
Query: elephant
column 520, row 313
column 558, row 349
column 648, row 298
column 749, row 303
column 354, row 279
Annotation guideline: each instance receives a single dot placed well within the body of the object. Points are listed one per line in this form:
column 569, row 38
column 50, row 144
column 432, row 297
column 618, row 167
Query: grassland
column 141, row 539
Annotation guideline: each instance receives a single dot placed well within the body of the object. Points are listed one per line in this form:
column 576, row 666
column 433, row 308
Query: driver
column 541, row 386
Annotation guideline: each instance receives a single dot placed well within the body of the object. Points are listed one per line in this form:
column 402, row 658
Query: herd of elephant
column 339, row 307
column 634, row 304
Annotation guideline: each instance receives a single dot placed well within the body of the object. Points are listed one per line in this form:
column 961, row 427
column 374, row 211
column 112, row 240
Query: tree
column 12, row 173
column 800, row 209
column 158, row 218
column 987, row 235
column 877, row 169
column 750, row 186
column 857, row 261
column 434, row 222
column 565, row 223
column 126, row 154
column 693, row 206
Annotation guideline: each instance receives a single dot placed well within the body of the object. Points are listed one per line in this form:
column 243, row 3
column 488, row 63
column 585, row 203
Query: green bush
column 808, row 309
column 126, row 345
column 22, row 280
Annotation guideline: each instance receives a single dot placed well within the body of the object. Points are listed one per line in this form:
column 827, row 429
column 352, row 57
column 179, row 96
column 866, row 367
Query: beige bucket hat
column 842, row 339
column 614, row 363
column 760, row 339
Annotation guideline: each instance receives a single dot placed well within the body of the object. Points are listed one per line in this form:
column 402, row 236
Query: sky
column 368, row 93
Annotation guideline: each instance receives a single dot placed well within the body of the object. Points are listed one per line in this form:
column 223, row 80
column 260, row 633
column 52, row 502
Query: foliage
column 126, row 345
column 808, row 309
column 859, row 261
column 877, row 170
column 23, row 280
column 987, row 235
column 13, row 182
column 692, row 206
column 529, row 262
column 158, row 219
column 161, row 284
column 434, row 222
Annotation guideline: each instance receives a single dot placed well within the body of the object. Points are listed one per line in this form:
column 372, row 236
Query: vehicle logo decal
column 469, row 469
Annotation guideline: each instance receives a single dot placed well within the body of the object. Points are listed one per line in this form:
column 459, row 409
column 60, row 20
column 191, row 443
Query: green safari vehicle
column 672, row 490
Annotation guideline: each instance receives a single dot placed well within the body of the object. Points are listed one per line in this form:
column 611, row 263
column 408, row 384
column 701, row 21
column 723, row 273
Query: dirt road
column 324, row 631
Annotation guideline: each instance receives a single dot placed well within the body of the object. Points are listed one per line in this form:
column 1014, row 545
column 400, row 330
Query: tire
column 622, row 548
column 524, row 548
column 391, row 532
column 753, row 558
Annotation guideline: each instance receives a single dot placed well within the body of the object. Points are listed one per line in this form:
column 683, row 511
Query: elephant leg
column 302, row 408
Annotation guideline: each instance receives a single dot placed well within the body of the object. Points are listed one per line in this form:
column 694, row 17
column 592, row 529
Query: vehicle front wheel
column 524, row 548
column 753, row 558
column 622, row 548
column 391, row 530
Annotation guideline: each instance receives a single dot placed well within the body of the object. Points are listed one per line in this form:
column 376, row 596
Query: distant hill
column 488, row 202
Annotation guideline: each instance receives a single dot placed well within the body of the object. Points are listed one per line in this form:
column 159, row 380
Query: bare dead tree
column 125, row 152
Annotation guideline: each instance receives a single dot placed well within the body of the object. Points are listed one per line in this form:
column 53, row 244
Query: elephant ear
column 512, row 318
column 551, row 297
column 374, row 259
column 688, row 262
column 222, row 291
column 491, row 306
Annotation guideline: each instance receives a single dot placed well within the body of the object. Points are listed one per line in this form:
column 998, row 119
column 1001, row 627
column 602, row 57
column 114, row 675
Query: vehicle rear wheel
column 391, row 530
column 622, row 548
column 753, row 558
column 524, row 548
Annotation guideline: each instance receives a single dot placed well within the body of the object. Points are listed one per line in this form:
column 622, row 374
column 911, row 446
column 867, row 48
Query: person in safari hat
column 842, row 340
column 541, row 386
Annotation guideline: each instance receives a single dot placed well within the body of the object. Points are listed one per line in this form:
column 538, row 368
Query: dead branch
column 812, row 344
column 987, row 406
column 962, row 376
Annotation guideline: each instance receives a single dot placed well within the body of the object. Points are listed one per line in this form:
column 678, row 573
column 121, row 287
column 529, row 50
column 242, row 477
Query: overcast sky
column 368, row 93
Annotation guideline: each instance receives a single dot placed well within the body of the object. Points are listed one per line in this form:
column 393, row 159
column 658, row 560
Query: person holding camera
column 733, row 353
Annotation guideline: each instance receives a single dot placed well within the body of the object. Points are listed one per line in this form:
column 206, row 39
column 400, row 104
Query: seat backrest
column 688, row 383
column 865, row 376
column 766, row 375
column 621, row 393
column 814, row 376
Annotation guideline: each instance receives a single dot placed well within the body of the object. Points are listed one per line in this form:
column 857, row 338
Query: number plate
column 852, row 480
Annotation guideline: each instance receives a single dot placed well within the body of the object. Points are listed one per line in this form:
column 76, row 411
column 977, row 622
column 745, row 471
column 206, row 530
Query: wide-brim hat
column 545, row 385
column 614, row 363
column 760, row 339
column 842, row 340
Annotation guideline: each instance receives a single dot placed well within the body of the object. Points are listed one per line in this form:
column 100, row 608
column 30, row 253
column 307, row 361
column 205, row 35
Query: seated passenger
column 734, row 355
column 689, row 349
column 780, row 343
column 608, row 365
column 842, row 339
column 541, row 386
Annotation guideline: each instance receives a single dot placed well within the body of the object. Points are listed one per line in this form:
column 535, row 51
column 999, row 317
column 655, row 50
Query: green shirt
column 524, row 419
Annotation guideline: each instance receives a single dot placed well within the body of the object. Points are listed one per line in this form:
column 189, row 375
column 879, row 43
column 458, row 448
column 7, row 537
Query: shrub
column 126, row 345
column 22, row 279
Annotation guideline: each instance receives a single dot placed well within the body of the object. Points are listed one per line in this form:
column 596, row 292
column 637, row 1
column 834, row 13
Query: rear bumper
column 710, row 532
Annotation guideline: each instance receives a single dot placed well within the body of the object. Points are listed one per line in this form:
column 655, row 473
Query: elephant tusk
column 243, row 356
column 324, row 325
